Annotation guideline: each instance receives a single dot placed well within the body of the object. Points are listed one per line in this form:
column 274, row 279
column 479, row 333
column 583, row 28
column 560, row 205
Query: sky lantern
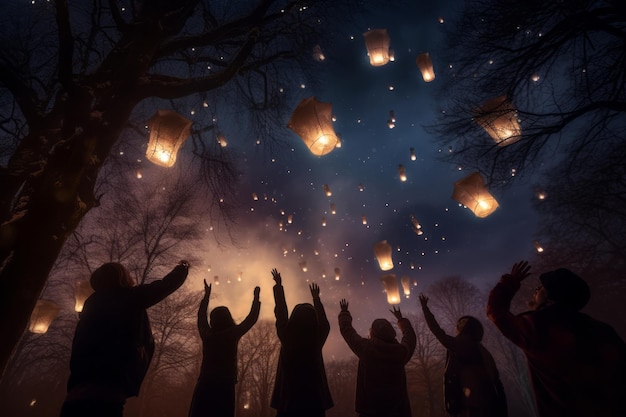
column 391, row 288
column 391, row 123
column 216, row 280
column 42, row 316
column 402, row 173
column 425, row 65
column 311, row 120
column 318, row 54
column 327, row 190
column 363, row 219
column 412, row 152
column 499, row 118
column 538, row 246
column 323, row 221
column 406, row 285
column 333, row 208
column 383, row 250
column 472, row 193
column 221, row 139
column 168, row 131
column 337, row 274
column 361, row 188
column 303, row 266
column 377, row 44
column 417, row 227
column 82, row 291
column 541, row 194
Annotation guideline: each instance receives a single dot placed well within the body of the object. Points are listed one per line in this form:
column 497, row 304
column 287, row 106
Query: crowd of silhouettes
column 577, row 364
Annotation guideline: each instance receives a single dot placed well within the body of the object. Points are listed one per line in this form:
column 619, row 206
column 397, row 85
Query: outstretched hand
column 207, row 289
column 343, row 304
column 257, row 291
column 396, row 312
column 519, row 271
column 423, row 300
column 276, row 276
column 315, row 290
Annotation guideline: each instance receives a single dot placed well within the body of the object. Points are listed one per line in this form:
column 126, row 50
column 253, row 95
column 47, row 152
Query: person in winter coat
column 577, row 364
column 472, row 385
column 113, row 343
column 381, row 389
column 214, row 394
column 301, row 388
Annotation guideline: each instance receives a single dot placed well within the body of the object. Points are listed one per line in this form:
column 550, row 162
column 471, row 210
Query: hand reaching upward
column 276, row 276
column 207, row 289
column 343, row 304
column 315, row 290
column 396, row 312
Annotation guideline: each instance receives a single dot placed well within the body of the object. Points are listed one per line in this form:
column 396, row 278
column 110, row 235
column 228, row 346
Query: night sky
column 284, row 227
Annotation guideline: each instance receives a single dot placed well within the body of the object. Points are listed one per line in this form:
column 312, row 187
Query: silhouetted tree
column 77, row 77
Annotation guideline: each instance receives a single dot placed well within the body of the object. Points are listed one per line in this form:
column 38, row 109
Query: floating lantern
column 221, row 139
column 391, row 288
column 377, row 44
column 412, row 152
column 499, row 118
column 425, row 65
column 323, row 221
column 361, row 188
column 541, row 194
column 168, row 131
column 402, row 173
column 363, row 219
column 471, row 192
column 318, row 55
column 303, row 266
column 333, row 209
column 216, row 280
column 255, row 197
column 42, row 316
column 383, row 250
column 82, row 291
column 327, row 190
column 311, row 120
column 391, row 123
column 538, row 246
column 337, row 274
column 290, row 219
column 406, row 286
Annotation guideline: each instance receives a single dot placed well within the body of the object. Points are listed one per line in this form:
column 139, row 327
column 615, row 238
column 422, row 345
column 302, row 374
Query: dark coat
column 471, row 380
column 214, row 392
column 577, row 364
column 113, row 342
column 381, row 388
column 301, row 382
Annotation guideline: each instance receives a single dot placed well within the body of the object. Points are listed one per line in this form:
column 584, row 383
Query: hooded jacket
column 381, row 388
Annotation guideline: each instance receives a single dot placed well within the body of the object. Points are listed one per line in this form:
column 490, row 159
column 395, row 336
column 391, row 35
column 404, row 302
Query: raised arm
column 203, row 322
column 150, row 294
column 322, row 321
column 409, row 338
column 447, row 341
column 280, row 307
column 355, row 342
column 253, row 316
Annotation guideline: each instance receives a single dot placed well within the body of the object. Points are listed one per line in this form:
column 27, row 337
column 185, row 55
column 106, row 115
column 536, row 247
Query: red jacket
column 577, row 364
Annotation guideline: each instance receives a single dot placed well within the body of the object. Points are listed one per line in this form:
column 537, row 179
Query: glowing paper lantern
column 337, row 274
column 425, row 65
column 391, row 123
column 471, row 192
column 311, row 120
column 383, row 251
column 81, row 292
column 391, row 288
column 406, row 286
column 363, row 219
column 221, row 139
column 327, row 190
column 42, row 316
column 303, row 266
column 413, row 156
column 318, row 55
column 377, row 44
column 402, row 173
column 168, row 131
column 333, row 209
column 499, row 119
column 538, row 246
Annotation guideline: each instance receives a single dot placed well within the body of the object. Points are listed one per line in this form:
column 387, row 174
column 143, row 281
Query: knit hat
column 382, row 329
column 566, row 288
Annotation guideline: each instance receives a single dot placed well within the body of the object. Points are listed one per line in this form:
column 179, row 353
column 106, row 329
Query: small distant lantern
column 541, row 194
column 377, row 44
column 406, row 286
column 221, row 139
column 318, row 55
column 255, row 197
column 425, row 65
column 216, row 280
column 363, row 219
column 42, row 316
column 499, row 119
column 383, row 251
column 333, row 209
column 472, row 193
column 402, row 173
column 311, row 120
column 168, row 131
column 391, row 123
column 538, row 246
column 323, row 221
column 290, row 219
column 82, row 291
column 361, row 188
column 412, row 152
column 240, row 276
column 327, row 190
column 303, row 266
column 337, row 274
column 391, row 288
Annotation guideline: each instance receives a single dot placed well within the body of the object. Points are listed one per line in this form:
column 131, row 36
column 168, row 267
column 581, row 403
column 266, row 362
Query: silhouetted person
column 472, row 385
column 214, row 394
column 113, row 343
column 381, row 389
column 577, row 364
column 301, row 387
